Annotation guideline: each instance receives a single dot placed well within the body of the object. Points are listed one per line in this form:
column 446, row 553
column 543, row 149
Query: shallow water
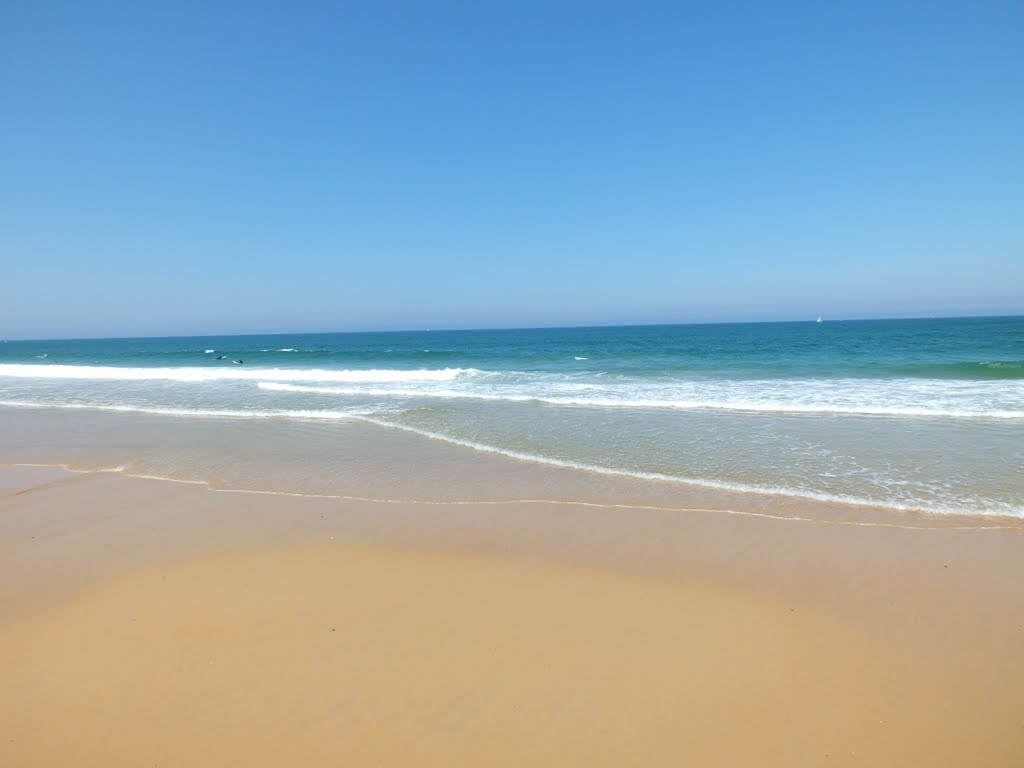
column 911, row 416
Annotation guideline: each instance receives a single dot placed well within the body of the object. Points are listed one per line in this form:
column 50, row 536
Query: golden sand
column 337, row 634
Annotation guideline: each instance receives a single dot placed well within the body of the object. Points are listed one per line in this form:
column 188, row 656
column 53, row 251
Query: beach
column 511, row 384
column 144, row 622
column 776, row 545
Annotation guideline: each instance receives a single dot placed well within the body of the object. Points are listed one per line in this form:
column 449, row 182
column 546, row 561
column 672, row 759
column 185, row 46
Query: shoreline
column 980, row 522
column 363, row 461
column 777, row 638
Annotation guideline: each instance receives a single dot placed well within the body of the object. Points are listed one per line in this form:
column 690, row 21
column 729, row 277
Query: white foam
column 837, row 398
column 328, row 415
column 209, row 351
column 828, row 498
column 917, row 398
column 193, row 374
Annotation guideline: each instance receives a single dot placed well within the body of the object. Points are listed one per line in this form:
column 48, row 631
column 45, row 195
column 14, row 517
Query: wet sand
column 146, row 622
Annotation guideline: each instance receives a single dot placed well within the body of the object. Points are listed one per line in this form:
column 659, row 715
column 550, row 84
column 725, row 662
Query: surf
column 196, row 374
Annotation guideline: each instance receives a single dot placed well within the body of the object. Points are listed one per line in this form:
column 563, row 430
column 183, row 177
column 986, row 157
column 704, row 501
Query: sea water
column 908, row 415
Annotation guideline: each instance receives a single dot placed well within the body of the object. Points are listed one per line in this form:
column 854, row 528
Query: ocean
column 911, row 416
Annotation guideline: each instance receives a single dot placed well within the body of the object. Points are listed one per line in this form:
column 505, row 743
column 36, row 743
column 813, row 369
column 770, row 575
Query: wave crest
column 194, row 374
column 835, row 403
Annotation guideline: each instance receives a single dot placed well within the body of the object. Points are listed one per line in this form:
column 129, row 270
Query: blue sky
column 183, row 168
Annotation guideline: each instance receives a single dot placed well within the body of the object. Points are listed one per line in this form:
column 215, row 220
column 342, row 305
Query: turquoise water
column 961, row 348
column 906, row 414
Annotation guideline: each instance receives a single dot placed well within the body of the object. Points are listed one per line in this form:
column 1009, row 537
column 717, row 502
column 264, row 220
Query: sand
column 144, row 622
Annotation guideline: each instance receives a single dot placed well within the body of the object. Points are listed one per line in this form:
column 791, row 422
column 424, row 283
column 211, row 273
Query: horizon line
column 813, row 320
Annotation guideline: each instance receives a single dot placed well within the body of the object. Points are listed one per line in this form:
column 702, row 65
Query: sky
column 222, row 167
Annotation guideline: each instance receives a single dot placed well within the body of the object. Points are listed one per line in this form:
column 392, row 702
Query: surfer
column 238, row 362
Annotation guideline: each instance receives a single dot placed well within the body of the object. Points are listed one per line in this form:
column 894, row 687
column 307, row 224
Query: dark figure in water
column 219, row 357
column 238, row 362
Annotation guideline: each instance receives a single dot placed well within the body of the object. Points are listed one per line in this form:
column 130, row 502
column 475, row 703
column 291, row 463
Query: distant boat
column 818, row 320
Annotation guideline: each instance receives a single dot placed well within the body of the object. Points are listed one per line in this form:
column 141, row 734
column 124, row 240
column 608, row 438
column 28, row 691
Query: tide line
column 511, row 502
